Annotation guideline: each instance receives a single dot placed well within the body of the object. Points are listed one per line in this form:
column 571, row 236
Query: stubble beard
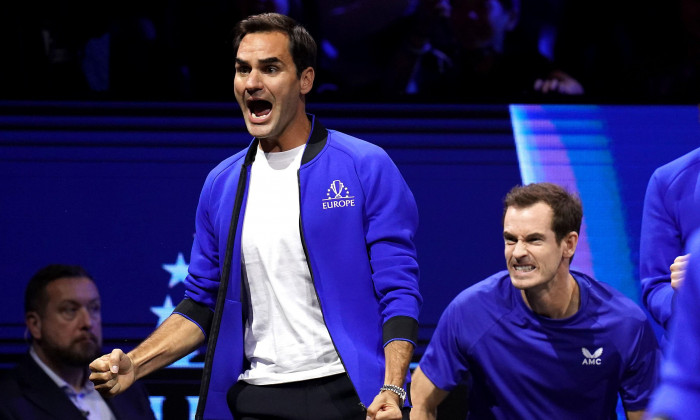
column 79, row 353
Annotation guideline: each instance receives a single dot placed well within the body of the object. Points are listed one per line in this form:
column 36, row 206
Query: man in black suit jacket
column 62, row 313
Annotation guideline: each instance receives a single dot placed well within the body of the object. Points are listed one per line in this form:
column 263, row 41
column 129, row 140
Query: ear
column 307, row 80
column 569, row 243
column 33, row 321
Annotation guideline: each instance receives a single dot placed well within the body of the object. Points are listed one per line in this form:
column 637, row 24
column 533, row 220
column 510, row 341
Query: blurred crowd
column 424, row 50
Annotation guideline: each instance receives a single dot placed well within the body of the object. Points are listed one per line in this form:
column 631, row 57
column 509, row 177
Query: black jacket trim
column 316, row 142
column 252, row 151
column 196, row 312
column 400, row 327
column 223, row 286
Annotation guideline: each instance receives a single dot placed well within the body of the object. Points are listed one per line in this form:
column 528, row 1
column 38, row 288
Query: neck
column 75, row 376
column 558, row 299
column 294, row 135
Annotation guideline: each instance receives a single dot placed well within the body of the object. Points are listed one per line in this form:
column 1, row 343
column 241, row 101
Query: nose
column 253, row 81
column 87, row 319
column 519, row 249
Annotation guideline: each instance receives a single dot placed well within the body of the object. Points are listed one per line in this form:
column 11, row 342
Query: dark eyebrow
column 534, row 237
column 530, row 237
column 270, row 60
column 75, row 302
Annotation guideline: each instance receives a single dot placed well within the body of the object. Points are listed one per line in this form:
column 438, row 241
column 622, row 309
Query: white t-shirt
column 286, row 339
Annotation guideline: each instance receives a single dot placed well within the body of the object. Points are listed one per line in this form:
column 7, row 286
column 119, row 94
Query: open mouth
column 524, row 268
column 259, row 108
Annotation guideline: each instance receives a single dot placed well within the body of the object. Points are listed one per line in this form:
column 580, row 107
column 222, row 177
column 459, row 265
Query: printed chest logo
column 591, row 358
column 338, row 196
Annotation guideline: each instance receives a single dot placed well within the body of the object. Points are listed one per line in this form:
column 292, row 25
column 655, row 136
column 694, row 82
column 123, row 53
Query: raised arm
column 176, row 337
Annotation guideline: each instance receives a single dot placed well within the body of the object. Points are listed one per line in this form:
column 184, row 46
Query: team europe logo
column 338, row 195
column 591, row 359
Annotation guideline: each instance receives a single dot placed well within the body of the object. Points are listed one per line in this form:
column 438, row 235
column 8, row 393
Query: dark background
column 619, row 50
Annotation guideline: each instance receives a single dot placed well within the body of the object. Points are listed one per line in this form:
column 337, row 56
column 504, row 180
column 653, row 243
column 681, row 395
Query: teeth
column 524, row 268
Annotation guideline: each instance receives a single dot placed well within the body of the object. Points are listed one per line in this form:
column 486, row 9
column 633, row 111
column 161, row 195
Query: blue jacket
column 670, row 216
column 678, row 395
column 357, row 224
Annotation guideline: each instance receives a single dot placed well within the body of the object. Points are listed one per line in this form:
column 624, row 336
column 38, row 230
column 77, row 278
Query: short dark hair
column 302, row 46
column 566, row 208
column 35, row 298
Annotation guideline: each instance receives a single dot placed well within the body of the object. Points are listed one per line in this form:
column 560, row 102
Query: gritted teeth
column 524, row 268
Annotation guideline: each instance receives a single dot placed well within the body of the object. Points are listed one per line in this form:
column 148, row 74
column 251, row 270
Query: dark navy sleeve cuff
column 196, row 312
column 400, row 328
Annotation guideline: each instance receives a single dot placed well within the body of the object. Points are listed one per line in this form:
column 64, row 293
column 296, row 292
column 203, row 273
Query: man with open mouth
column 303, row 275
column 540, row 340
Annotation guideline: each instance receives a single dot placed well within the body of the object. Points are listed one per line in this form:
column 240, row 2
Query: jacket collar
column 316, row 142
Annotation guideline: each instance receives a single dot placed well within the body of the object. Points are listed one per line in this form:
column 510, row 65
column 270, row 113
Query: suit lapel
column 43, row 392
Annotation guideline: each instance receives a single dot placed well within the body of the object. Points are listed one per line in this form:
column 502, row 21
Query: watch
column 396, row 390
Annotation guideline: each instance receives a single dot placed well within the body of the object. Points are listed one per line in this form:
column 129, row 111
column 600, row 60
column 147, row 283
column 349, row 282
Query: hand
column 112, row 373
column 385, row 406
column 678, row 270
column 559, row 82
